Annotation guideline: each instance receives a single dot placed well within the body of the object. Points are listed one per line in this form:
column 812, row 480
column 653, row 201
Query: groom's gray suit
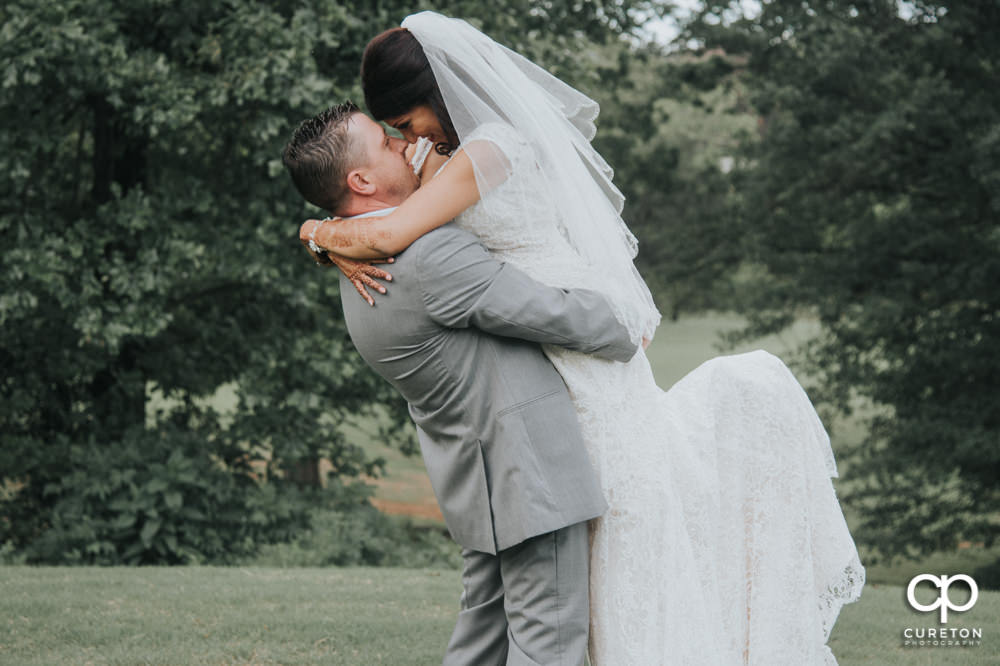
column 458, row 336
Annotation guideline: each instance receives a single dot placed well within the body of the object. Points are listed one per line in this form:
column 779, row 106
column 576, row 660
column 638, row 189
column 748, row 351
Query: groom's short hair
column 320, row 155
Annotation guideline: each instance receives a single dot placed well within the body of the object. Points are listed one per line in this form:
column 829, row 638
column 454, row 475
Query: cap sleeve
column 497, row 151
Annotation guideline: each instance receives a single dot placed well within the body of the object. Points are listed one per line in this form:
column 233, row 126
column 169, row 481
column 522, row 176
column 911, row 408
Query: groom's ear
column 359, row 184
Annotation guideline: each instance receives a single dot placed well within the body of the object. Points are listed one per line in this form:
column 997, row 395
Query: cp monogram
column 943, row 601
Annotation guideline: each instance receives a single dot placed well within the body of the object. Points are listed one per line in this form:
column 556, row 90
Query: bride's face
column 417, row 122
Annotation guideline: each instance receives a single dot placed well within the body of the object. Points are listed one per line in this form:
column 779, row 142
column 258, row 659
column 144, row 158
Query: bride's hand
column 362, row 274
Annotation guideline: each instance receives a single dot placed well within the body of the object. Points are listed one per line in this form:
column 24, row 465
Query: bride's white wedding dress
column 724, row 542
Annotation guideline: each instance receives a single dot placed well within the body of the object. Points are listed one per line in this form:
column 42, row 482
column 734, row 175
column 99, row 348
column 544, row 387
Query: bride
column 724, row 542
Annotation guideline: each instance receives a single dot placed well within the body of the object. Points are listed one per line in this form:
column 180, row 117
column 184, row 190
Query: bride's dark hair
column 396, row 77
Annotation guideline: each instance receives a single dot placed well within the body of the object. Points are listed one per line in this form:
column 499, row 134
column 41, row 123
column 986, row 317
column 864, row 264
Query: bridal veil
column 483, row 82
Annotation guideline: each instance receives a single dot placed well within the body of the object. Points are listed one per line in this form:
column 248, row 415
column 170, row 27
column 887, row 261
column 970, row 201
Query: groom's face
column 386, row 168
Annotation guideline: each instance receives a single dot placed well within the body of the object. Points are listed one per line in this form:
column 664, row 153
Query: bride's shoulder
column 511, row 143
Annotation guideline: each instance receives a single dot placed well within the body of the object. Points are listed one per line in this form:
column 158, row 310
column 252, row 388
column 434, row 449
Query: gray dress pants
column 528, row 605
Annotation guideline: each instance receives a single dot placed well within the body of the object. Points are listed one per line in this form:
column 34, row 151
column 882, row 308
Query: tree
column 150, row 245
column 872, row 199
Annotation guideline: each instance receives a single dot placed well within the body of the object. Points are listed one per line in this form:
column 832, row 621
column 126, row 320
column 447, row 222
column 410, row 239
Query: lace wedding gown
column 724, row 542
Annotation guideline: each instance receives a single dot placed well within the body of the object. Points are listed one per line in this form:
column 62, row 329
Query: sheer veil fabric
column 483, row 82
column 724, row 542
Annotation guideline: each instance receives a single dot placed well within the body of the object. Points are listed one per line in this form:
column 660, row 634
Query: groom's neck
column 360, row 206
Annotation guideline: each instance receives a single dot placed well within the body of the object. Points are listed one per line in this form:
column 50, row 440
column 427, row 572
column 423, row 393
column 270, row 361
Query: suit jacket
column 458, row 336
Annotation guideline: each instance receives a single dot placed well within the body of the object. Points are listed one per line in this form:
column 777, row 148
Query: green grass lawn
column 204, row 615
column 194, row 615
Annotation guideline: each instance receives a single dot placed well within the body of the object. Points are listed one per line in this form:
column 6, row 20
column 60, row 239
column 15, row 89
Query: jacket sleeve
column 463, row 285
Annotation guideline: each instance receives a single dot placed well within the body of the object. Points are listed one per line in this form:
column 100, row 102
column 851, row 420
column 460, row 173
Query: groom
column 458, row 337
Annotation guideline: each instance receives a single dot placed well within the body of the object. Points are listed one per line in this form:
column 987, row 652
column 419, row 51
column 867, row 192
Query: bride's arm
column 439, row 201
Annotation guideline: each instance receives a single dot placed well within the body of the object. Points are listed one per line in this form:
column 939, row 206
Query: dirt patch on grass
column 406, row 494
column 397, row 508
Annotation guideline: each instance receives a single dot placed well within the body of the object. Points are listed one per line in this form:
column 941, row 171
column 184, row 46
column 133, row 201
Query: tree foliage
column 872, row 198
column 149, row 246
